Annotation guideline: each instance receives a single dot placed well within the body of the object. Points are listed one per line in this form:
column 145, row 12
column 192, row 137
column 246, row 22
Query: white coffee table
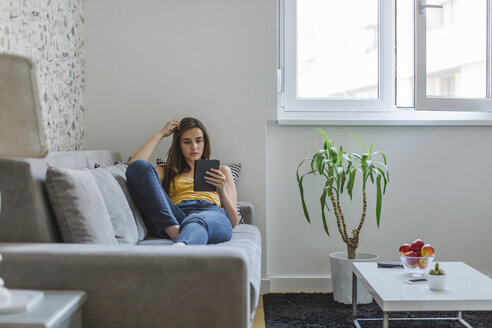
column 57, row 309
column 466, row 290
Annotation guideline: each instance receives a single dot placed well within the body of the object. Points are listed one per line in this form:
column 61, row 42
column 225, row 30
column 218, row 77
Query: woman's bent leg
column 158, row 210
column 207, row 226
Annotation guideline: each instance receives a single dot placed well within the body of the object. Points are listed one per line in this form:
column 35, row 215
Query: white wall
column 150, row 61
column 439, row 192
column 153, row 60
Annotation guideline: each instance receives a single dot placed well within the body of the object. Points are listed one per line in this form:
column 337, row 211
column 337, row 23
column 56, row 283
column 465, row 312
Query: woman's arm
column 223, row 180
column 146, row 150
column 144, row 153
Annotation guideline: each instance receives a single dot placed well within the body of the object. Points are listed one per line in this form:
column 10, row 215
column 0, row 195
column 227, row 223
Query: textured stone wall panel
column 49, row 32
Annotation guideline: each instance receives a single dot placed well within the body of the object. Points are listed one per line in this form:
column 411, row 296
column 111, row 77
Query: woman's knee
column 196, row 220
column 137, row 167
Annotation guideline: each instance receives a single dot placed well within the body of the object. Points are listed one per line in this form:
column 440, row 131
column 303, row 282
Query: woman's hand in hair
column 170, row 127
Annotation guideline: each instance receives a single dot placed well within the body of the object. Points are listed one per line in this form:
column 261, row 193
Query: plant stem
column 337, row 214
column 342, row 217
column 363, row 217
column 351, row 252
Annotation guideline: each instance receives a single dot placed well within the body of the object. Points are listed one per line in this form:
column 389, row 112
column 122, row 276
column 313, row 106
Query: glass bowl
column 417, row 266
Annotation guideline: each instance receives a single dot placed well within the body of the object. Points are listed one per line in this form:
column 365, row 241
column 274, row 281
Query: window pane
column 404, row 53
column 456, row 48
column 337, row 49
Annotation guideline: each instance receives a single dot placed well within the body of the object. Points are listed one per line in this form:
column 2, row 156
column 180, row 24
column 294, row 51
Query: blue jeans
column 201, row 222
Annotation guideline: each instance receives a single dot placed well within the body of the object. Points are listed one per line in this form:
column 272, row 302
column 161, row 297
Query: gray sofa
column 146, row 284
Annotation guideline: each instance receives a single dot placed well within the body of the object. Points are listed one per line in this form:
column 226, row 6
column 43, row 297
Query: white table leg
column 385, row 320
column 354, row 295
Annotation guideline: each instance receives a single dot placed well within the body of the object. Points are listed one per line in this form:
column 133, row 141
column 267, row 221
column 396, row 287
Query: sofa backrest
column 25, row 213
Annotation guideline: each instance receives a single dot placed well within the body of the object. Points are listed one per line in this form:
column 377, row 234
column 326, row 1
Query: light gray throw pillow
column 79, row 207
column 118, row 208
column 119, row 172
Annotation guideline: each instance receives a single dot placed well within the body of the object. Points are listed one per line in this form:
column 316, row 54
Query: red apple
column 405, row 248
column 417, row 245
column 411, row 259
column 427, row 250
column 423, row 263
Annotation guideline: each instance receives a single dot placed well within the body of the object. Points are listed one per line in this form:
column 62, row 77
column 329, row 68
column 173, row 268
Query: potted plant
column 436, row 278
column 339, row 170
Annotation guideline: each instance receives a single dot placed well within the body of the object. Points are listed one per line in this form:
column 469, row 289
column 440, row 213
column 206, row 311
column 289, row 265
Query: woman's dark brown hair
column 176, row 162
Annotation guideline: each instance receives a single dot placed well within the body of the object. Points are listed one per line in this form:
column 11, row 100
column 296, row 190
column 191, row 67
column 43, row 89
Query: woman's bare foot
column 173, row 232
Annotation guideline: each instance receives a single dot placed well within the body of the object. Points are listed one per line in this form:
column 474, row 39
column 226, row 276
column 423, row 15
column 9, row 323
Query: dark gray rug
column 318, row 310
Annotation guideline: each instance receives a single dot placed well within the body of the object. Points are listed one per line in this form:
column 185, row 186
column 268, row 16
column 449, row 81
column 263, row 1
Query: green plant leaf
column 382, row 155
column 329, row 186
column 342, row 184
column 357, row 156
column 323, row 216
column 301, row 189
column 340, row 156
column 370, row 148
column 379, row 201
column 333, row 155
column 319, row 163
column 314, row 159
column 381, row 172
column 364, row 157
column 350, row 184
column 327, row 140
column 353, row 135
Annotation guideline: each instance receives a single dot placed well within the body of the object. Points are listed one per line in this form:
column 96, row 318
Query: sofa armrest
column 138, row 286
column 247, row 211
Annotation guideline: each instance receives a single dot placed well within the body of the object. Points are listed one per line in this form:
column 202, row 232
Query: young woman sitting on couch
column 165, row 195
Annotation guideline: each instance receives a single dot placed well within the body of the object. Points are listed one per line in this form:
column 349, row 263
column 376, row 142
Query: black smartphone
column 202, row 166
column 415, row 281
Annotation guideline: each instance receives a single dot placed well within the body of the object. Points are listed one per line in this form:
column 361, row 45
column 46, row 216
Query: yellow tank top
column 183, row 189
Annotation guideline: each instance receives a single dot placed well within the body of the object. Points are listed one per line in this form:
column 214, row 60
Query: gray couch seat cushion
column 155, row 241
column 248, row 238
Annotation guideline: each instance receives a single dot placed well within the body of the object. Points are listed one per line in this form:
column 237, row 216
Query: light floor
column 259, row 321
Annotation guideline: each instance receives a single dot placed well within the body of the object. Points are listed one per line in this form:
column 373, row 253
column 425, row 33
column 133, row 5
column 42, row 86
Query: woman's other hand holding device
column 216, row 178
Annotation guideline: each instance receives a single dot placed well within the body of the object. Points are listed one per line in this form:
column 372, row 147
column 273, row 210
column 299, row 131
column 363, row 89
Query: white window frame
column 288, row 63
column 422, row 102
column 382, row 111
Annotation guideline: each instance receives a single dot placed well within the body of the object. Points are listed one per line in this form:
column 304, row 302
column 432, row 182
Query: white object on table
column 436, row 281
column 5, row 295
column 58, row 309
column 21, row 301
column 466, row 290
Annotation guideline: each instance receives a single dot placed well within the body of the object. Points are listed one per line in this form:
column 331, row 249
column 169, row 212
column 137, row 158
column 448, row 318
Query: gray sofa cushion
column 79, row 206
column 119, row 172
column 118, row 208
column 155, row 241
column 247, row 237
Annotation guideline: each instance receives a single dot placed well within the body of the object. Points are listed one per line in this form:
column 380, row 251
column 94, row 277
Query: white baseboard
column 296, row 284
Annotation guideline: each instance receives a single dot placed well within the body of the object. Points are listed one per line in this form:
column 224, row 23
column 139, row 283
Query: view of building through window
column 337, row 49
column 456, row 48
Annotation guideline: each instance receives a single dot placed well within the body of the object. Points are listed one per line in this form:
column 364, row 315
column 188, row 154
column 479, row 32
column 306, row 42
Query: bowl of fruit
column 417, row 258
